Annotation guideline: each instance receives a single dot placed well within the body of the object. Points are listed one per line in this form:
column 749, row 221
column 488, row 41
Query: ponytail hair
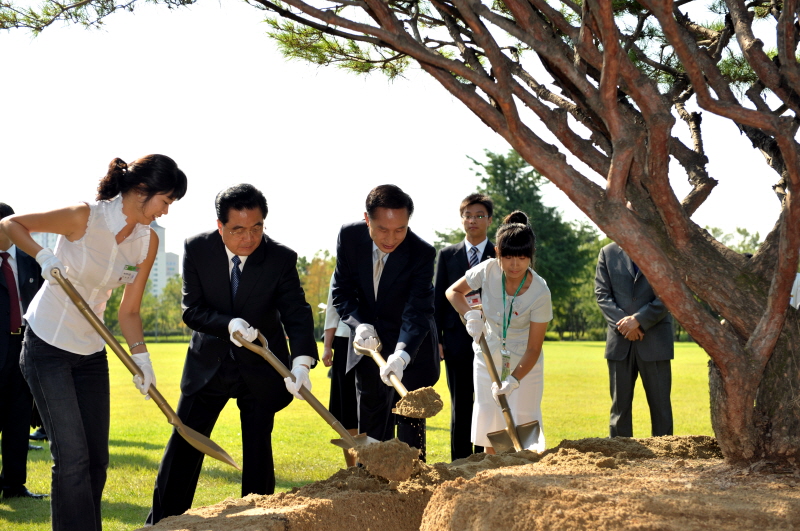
column 515, row 237
column 151, row 174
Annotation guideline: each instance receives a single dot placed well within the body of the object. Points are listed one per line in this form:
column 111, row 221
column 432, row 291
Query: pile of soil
column 662, row 483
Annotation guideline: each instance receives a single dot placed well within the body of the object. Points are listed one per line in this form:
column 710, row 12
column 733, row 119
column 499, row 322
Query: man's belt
column 18, row 331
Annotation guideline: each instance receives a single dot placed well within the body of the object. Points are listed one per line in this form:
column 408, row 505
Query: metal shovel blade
column 528, row 434
column 362, row 439
column 197, row 440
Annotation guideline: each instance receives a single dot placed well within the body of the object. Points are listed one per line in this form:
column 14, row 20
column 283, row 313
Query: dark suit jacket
column 29, row 280
column 269, row 298
column 451, row 265
column 621, row 292
column 403, row 312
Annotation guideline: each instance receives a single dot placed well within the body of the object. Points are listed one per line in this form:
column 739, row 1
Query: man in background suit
column 638, row 341
column 236, row 278
column 455, row 345
column 382, row 289
column 19, row 281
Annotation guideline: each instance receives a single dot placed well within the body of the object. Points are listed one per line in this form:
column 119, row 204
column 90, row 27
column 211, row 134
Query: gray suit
column 622, row 290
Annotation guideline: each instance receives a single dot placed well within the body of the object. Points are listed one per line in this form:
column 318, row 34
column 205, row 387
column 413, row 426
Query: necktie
column 377, row 270
column 13, row 297
column 235, row 275
column 473, row 257
column 635, row 268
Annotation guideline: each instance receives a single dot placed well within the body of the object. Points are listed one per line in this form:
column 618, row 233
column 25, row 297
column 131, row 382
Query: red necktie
column 13, row 297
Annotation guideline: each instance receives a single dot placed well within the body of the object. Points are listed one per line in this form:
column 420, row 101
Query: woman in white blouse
column 101, row 246
column 516, row 305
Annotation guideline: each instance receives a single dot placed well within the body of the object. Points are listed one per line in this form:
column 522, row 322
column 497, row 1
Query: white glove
column 474, row 324
column 241, row 326
column 508, row 386
column 300, row 379
column 142, row 359
column 48, row 261
column 366, row 336
column 394, row 364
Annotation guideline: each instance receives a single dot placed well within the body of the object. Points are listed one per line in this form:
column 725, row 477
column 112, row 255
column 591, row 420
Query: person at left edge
column 16, row 400
column 101, row 246
column 268, row 297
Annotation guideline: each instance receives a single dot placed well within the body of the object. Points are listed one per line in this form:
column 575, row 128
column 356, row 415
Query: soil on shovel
column 393, row 460
column 420, row 403
column 663, row 483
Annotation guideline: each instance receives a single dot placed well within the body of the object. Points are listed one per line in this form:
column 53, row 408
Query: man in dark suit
column 20, row 279
column 236, row 279
column 455, row 345
column 382, row 289
column 638, row 341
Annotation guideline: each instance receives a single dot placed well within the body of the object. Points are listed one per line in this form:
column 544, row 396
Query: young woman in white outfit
column 101, row 246
column 517, row 308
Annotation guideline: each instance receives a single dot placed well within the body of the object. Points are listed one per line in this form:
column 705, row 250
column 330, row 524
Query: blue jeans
column 72, row 394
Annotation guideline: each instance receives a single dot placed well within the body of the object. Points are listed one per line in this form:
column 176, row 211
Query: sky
column 206, row 86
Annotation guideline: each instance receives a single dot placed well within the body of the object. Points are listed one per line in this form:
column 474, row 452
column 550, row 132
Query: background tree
column 316, row 282
column 599, row 90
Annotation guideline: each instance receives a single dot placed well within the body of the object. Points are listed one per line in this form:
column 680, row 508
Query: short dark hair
column 239, row 197
column 515, row 237
column 5, row 211
column 153, row 174
column 477, row 199
column 388, row 196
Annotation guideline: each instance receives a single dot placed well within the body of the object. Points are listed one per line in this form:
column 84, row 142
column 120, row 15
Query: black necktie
column 235, row 275
column 13, row 298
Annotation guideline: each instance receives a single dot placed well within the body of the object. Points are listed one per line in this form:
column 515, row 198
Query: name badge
column 474, row 299
column 129, row 274
column 506, row 364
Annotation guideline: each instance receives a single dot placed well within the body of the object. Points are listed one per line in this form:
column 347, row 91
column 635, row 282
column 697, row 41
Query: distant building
column 173, row 265
column 45, row 239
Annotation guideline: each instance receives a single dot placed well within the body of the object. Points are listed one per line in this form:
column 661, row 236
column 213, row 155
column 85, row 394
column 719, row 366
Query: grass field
column 575, row 406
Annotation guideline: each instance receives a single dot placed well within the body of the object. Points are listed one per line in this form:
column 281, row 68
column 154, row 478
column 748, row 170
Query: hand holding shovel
column 197, row 440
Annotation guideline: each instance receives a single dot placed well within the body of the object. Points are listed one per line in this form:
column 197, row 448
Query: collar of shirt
column 481, row 247
column 12, row 252
column 230, row 257
column 375, row 248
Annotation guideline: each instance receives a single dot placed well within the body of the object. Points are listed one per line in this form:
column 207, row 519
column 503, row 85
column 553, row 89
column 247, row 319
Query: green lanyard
column 507, row 318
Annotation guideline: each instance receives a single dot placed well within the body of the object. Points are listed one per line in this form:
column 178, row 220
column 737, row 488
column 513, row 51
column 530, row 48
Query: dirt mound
column 393, row 460
column 663, row 483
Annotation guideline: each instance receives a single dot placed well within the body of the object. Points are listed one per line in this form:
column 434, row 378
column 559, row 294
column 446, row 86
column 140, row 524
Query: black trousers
column 657, row 383
column 180, row 467
column 16, row 404
column 458, row 360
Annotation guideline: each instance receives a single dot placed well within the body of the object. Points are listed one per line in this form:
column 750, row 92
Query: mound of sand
column 662, row 483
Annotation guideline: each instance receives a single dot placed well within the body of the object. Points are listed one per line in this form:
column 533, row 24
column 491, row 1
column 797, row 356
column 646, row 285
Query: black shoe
column 38, row 435
column 20, row 492
column 34, row 447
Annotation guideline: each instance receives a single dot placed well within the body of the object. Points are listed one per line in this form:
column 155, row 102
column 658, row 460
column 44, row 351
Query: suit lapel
column 251, row 273
column 364, row 259
column 623, row 256
column 218, row 265
column 460, row 259
column 488, row 251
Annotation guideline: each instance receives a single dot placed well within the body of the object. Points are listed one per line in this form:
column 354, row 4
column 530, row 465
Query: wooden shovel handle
column 375, row 355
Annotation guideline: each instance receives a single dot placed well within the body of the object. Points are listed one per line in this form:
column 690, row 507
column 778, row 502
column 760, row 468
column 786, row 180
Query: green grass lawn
column 576, row 404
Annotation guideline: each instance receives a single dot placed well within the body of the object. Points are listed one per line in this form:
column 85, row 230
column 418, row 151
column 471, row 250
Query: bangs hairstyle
column 239, row 197
column 151, row 174
column 388, row 196
column 515, row 237
column 477, row 199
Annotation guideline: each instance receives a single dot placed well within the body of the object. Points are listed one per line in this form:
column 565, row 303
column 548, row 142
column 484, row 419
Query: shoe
column 38, row 435
column 20, row 492
column 34, row 447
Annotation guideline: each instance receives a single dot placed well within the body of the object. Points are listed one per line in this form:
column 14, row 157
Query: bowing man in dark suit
column 20, row 279
column 455, row 345
column 236, row 278
column 383, row 290
column 638, row 341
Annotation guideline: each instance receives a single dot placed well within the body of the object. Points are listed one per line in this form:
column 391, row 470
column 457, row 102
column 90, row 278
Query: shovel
column 199, row 441
column 375, row 355
column 347, row 441
column 513, row 437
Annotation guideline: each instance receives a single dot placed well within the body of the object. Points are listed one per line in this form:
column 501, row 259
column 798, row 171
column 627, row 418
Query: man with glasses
column 236, row 279
column 455, row 345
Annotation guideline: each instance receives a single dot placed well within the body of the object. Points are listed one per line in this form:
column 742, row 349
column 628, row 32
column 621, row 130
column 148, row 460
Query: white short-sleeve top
column 532, row 306
column 94, row 265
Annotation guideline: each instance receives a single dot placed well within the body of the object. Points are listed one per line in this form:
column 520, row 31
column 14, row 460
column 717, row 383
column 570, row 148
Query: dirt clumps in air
column 420, row 403
column 393, row 460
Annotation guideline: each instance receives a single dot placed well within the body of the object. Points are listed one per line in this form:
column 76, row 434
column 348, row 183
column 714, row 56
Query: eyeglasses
column 255, row 232
column 473, row 218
